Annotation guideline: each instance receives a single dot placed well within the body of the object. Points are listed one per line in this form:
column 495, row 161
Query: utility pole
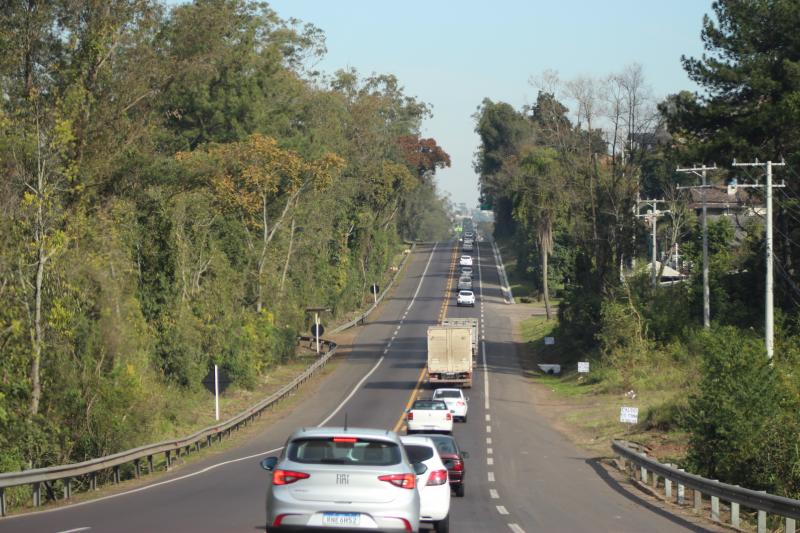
column 769, row 319
column 701, row 171
column 652, row 216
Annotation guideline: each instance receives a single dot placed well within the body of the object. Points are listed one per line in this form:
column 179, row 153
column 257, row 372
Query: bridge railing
column 65, row 479
column 649, row 471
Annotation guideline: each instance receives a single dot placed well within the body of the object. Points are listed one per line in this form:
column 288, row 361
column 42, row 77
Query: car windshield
column 444, row 444
column 448, row 394
column 432, row 405
column 418, row 453
column 344, row 451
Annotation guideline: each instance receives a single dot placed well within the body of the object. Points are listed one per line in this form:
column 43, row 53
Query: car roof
column 446, row 389
column 417, row 439
column 360, row 433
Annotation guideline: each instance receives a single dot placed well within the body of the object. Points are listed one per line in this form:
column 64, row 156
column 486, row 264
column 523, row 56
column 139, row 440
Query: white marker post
column 375, row 293
column 216, row 392
column 316, row 332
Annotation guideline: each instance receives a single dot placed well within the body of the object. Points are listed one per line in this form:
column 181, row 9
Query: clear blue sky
column 453, row 53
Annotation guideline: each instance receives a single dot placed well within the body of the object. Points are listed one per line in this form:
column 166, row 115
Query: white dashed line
column 488, row 417
column 493, row 494
column 489, row 451
column 488, row 429
column 75, row 530
column 491, row 477
column 489, row 461
column 501, row 509
column 488, row 440
column 516, row 529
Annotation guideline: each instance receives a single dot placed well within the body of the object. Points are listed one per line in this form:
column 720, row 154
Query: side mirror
column 465, row 455
column 419, row 468
column 269, row 463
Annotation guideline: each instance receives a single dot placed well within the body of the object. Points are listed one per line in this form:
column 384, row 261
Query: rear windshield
column 466, row 293
column 418, row 453
column 433, row 405
column 443, row 444
column 448, row 394
column 335, row 452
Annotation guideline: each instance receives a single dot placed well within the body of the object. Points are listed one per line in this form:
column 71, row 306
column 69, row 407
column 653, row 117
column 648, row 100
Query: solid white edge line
column 87, row 528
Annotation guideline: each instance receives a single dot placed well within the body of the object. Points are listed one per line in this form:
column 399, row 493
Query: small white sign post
column 583, row 367
column 216, row 393
column 629, row 415
column 549, row 341
column 316, row 321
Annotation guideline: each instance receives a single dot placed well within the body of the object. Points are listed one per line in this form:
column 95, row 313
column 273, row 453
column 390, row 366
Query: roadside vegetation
column 564, row 176
column 179, row 184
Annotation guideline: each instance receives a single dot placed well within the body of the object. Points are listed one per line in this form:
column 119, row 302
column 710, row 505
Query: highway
column 521, row 474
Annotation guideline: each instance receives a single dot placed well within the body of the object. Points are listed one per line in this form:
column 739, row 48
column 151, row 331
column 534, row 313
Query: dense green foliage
column 177, row 187
column 577, row 178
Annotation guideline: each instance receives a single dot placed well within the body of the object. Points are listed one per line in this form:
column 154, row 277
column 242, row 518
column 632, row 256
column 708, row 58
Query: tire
column 464, row 419
column 442, row 526
column 460, row 490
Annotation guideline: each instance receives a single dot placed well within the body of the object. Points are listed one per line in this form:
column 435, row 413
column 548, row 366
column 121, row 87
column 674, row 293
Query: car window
column 433, row 405
column 418, row 453
column 344, row 451
column 448, row 394
column 444, row 444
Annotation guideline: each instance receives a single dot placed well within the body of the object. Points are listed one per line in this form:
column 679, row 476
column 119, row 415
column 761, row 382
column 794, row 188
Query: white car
column 465, row 298
column 466, row 271
column 466, row 260
column 429, row 416
column 433, row 485
column 456, row 401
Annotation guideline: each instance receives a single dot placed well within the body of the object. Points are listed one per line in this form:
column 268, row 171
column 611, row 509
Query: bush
column 744, row 421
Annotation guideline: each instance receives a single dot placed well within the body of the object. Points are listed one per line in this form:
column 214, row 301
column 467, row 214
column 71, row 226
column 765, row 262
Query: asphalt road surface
column 521, row 474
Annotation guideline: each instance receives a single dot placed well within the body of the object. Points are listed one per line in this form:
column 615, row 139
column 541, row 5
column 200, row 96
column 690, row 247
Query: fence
column 146, row 458
column 649, row 471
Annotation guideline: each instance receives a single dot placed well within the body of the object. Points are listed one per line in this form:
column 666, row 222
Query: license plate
column 341, row 519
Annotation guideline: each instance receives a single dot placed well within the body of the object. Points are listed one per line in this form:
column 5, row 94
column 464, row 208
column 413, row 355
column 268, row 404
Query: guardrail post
column 667, row 488
column 762, row 522
column 116, row 475
column 681, row 498
column 67, row 488
column 698, row 501
column 208, row 441
column 168, row 458
column 93, row 480
column 643, row 475
column 149, row 464
column 37, row 494
column 715, row 508
column 654, row 479
column 137, row 468
column 735, row 515
column 2, row 501
column 788, row 524
column 197, row 446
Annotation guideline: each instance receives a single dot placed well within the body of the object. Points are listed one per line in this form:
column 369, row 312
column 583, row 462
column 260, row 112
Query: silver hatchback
column 342, row 478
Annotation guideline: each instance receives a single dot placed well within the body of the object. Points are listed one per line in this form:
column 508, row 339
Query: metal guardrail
column 172, row 449
column 648, row 471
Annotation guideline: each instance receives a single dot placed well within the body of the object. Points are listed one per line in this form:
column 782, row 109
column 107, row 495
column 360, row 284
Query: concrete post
column 2, row 501
column 788, row 527
column 735, row 515
column 37, row 494
column 643, row 475
column 116, row 474
column 93, row 481
column 762, row 522
column 137, row 467
column 715, row 508
column 149, row 464
column 168, row 458
column 698, row 501
column 667, row 488
column 67, row 488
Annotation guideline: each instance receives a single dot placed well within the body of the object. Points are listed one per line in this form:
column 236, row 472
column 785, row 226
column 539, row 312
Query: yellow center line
column 413, row 396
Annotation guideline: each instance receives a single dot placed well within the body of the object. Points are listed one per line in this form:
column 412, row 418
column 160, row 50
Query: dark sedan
column 453, row 459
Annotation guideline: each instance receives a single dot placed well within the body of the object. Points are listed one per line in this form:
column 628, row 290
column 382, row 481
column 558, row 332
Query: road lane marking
column 488, row 429
column 515, row 528
column 493, row 493
column 489, row 451
column 488, row 440
column 75, row 530
column 488, row 417
column 485, row 377
column 489, row 461
column 491, row 477
column 502, row 510
column 411, row 399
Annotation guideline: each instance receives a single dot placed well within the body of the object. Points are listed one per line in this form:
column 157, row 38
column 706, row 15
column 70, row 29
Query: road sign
column 629, row 415
column 549, row 340
column 314, row 330
column 583, row 367
column 208, row 381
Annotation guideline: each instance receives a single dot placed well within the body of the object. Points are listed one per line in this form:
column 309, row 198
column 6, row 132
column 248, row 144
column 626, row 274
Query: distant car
column 466, row 271
column 428, row 416
column 343, row 478
column 467, row 248
column 433, row 485
column 465, row 298
column 453, row 458
column 466, row 260
column 468, row 234
column 456, row 401
column 465, row 283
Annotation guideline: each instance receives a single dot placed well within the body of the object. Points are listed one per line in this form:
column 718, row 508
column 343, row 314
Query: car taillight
column 449, row 416
column 404, row 481
column 285, row 477
column 458, row 466
column 410, row 416
column 437, row 477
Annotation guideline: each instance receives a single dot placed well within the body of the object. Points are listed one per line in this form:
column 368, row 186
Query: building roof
column 718, row 197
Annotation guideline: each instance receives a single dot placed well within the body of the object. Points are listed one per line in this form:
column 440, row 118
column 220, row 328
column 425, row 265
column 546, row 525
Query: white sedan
column 433, row 485
column 455, row 400
column 465, row 298
column 429, row 416
column 466, row 260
